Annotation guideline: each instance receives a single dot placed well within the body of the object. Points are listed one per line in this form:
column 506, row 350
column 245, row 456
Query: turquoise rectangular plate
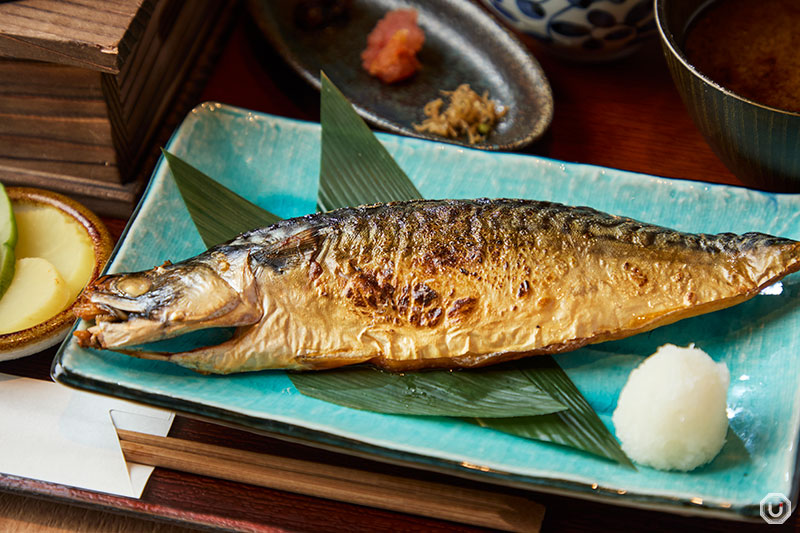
column 275, row 161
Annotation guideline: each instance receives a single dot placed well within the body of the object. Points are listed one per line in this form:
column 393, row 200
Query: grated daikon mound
column 671, row 413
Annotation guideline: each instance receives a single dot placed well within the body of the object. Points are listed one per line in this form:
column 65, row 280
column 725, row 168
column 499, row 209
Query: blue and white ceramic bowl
column 585, row 30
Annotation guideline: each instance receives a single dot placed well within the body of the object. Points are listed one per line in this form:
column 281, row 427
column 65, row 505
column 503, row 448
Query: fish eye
column 133, row 286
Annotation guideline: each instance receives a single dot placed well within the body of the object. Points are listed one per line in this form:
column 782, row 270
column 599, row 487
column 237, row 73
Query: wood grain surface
column 625, row 115
column 82, row 129
column 92, row 34
column 53, row 119
column 19, row 514
column 446, row 501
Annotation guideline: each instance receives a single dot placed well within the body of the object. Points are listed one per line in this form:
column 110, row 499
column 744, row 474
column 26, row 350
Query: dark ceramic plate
column 463, row 44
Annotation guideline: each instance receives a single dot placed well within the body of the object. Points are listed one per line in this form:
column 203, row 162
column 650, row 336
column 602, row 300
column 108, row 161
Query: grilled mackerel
column 426, row 284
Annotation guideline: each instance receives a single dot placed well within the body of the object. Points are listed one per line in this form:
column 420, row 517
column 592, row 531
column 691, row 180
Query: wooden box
column 87, row 85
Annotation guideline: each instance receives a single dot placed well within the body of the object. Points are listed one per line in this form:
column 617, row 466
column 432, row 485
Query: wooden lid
column 92, row 34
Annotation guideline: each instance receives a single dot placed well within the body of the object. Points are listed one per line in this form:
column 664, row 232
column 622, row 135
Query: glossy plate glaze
column 463, row 44
column 274, row 162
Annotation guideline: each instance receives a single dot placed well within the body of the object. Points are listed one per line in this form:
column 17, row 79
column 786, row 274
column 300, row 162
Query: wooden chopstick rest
column 424, row 498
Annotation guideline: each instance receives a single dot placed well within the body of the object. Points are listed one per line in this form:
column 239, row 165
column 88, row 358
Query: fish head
column 169, row 300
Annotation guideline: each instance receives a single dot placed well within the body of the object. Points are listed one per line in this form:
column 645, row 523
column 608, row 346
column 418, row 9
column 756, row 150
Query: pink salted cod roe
column 392, row 46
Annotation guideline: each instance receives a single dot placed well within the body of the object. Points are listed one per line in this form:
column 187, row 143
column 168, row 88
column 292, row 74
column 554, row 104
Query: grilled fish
column 429, row 284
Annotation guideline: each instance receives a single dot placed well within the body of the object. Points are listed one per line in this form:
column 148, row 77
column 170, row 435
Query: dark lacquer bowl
column 758, row 143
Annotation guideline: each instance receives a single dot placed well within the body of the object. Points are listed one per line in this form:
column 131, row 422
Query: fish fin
column 289, row 250
column 145, row 354
column 233, row 355
column 212, row 360
column 328, row 361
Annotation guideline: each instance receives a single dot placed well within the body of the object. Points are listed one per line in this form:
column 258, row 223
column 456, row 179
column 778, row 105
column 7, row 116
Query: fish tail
column 233, row 355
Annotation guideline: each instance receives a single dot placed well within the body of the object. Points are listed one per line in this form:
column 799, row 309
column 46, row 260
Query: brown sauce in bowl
column 751, row 48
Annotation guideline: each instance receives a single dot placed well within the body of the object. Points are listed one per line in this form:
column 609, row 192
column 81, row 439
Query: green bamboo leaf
column 487, row 393
column 578, row 426
column 218, row 213
column 206, row 198
column 355, row 168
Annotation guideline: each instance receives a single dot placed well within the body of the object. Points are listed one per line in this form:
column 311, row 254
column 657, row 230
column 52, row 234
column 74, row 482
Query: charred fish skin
column 456, row 283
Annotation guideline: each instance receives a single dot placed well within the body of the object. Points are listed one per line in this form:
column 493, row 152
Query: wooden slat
column 145, row 52
column 165, row 58
column 176, row 58
column 60, row 122
column 119, row 131
column 40, row 106
column 54, row 120
column 43, row 149
column 100, row 196
column 56, row 168
column 136, row 30
column 125, row 133
column 74, row 130
column 97, row 35
column 47, row 19
column 408, row 495
column 154, row 44
column 142, row 94
column 37, row 78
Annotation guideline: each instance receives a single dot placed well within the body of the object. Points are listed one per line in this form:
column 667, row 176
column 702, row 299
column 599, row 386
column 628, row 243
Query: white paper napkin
column 56, row 434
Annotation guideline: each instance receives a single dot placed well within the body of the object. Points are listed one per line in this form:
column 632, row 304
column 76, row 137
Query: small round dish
column 49, row 333
column 582, row 31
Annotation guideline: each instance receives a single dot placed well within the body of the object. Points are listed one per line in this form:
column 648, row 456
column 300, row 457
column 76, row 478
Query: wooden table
column 625, row 115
